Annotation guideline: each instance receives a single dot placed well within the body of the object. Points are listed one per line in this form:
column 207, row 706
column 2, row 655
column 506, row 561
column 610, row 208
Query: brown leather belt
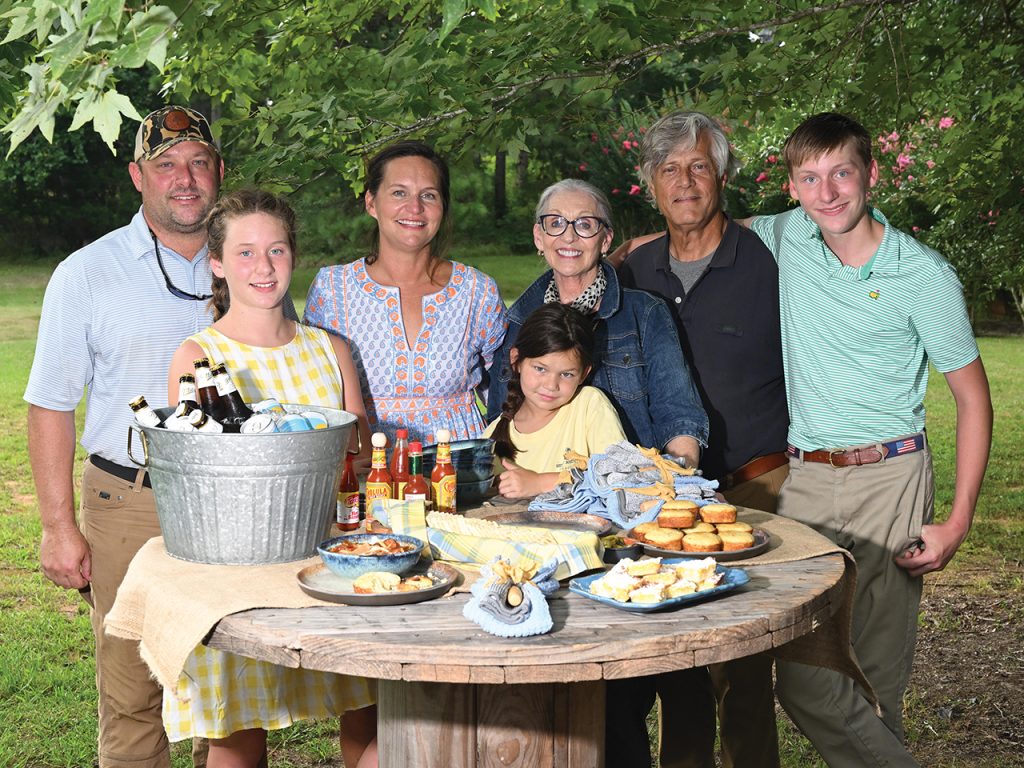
column 855, row 457
column 753, row 468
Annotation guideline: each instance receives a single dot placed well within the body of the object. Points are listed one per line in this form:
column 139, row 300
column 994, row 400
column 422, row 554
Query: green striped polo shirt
column 856, row 341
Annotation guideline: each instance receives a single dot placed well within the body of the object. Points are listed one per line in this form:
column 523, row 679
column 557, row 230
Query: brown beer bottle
column 187, row 390
column 144, row 414
column 236, row 412
column 206, row 388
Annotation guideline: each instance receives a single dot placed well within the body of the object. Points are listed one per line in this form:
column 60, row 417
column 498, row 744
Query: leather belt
column 855, row 457
column 117, row 470
column 753, row 468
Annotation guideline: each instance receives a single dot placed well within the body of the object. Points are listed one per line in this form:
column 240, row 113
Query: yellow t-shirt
column 588, row 424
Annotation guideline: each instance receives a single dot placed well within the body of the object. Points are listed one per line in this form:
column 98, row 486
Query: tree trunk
column 500, row 197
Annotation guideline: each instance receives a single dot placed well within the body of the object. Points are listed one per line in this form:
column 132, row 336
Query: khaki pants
column 118, row 517
column 740, row 690
column 873, row 511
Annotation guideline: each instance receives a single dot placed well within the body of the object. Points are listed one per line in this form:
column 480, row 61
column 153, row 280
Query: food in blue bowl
column 473, row 459
column 357, row 553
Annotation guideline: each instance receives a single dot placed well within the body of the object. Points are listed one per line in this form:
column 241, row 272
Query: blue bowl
column 353, row 566
column 473, row 459
column 472, row 492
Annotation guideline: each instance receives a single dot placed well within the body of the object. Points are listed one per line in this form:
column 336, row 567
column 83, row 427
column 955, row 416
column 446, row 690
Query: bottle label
column 204, row 378
column 187, row 391
column 444, row 493
column 225, row 386
column 400, row 488
column 348, row 508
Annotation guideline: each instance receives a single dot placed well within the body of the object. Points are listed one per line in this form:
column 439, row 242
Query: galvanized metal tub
column 245, row 499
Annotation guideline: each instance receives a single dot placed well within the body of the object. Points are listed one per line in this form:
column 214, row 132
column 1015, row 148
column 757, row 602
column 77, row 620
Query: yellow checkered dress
column 219, row 693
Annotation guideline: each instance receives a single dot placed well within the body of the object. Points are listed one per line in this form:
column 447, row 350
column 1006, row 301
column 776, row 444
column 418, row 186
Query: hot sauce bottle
column 442, row 479
column 378, row 482
column 400, row 462
column 416, row 489
column 348, row 497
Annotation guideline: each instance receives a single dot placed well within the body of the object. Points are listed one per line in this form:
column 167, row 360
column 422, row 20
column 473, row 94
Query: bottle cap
column 443, row 436
column 402, row 433
column 186, row 377
column 201, row 361
column 137, row 403
column 415, row 446
column 378, row 440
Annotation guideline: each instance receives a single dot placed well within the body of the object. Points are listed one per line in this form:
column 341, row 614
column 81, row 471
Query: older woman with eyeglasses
column 638, row 361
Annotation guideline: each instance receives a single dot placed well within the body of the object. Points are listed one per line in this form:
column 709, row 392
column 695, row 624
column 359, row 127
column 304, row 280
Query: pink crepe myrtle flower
column 902, row 161
column 605, row 150
column 772, row 159
column 915, row 229
column 593, row 137
column 930, row 163
column 634, row 189
column 762, row 176
column 627, row 144
column 583, row 166
column 945, row 122
column 615, row 191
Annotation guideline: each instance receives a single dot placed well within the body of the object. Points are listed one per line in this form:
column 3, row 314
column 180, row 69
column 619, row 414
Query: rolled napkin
column 507, row 602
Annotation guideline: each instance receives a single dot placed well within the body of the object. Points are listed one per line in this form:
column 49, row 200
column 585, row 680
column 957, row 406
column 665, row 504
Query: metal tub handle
column 145, row 447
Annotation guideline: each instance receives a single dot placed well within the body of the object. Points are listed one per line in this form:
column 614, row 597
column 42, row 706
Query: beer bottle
column 236, row 412
column 201, row 421
column 144, row 414
column 187, row 390
column 416, row 489
column 348, row 497
column 378, row 482
column 400, row 462
column 209, row 398
column 442, row 479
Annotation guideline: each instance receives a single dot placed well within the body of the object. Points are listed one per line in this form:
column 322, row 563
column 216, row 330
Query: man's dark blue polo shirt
column 729, row 328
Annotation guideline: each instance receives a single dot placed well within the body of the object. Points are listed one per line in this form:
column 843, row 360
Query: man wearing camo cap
column 114, row 313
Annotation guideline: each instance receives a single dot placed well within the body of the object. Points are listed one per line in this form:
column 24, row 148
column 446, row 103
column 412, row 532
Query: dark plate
column 573, row 521
column 761, row 540
column 317, row 581
column 731, row 579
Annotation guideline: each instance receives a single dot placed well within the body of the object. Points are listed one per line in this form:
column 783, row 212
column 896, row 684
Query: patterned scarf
column 587, row 301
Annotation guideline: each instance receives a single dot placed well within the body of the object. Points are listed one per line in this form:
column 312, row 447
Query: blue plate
column 731, row 579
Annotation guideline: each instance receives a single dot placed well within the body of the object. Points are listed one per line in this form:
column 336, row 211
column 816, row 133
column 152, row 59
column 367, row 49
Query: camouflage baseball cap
column 168, row 126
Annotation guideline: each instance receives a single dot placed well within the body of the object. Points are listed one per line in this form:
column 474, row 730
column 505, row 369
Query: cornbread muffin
column 737, row 526
column 699, row 528
column 732, row 540
column 665, row 538
column 681, row 513
column 718, row 513
column 641, row 530
column 702, row 542
column 376, row 581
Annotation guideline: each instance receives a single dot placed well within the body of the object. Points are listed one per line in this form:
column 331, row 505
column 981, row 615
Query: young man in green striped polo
column 865, row 307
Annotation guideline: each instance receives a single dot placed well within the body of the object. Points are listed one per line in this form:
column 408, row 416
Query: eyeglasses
column 171, row 287
column 584, row 226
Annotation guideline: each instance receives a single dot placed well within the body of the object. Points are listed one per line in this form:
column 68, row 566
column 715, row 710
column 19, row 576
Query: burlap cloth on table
column 828, row 645
column 170, row 605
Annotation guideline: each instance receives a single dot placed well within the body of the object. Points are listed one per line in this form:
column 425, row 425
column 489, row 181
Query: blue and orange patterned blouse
column 433, row 384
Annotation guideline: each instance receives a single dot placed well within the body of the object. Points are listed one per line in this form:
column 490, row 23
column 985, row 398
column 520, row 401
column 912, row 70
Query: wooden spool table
column 452, row 696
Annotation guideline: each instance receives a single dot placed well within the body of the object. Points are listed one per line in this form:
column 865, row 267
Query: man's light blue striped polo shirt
column 856, row 341
column 109, row 325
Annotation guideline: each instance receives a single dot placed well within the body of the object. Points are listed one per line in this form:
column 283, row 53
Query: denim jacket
column 638, row 363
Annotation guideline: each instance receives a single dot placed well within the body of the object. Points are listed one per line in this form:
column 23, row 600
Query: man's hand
column 518, row 483
column 684, row 447
column 65, row 557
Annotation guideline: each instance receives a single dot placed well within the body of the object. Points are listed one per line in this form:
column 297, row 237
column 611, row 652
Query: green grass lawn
column 46, row 668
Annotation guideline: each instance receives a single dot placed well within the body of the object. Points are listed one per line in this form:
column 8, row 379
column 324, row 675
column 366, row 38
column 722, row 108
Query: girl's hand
column 518, row 483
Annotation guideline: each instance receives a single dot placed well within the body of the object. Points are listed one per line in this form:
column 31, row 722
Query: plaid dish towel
column 465, row 540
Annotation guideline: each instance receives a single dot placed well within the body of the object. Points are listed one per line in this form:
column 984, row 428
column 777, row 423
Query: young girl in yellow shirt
column 547, row 410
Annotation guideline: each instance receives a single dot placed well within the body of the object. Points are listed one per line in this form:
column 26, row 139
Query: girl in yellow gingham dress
column 231, row 699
